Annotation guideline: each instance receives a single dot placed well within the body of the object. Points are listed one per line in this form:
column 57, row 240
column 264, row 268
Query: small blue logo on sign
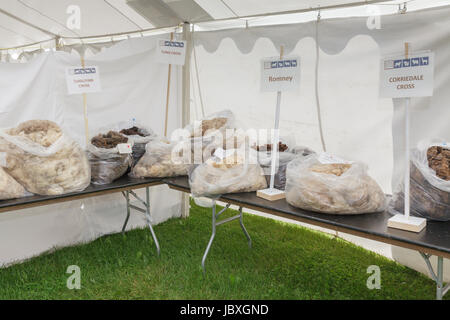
column 282, row 64
column 415, row 62
column 83, row 71
column 177, row 44
column 406, row 63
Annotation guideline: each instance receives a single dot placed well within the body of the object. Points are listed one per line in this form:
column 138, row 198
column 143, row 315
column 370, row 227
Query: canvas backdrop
column 133, row 86
column 357, row 123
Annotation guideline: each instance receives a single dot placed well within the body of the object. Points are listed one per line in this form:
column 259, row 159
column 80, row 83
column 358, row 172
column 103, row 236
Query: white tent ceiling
column 26, row 22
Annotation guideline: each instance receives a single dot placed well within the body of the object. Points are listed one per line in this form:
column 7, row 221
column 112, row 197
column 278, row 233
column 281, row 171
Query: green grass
column 286, row 262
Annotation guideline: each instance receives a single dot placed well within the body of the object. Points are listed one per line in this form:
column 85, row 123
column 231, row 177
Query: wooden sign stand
column 405, row 221
column 168, row 93
column 85, row 110
column 271, row 193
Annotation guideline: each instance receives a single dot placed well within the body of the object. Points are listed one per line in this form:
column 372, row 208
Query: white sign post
column 406, row 76
column 278, row 74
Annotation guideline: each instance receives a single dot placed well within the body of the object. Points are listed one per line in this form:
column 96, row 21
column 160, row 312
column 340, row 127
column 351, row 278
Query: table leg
column 438, row 277
column 145, row 211
column 211, row 239
column 216, row 223
column 149, row 220
column 241, row 222
column 126, row 194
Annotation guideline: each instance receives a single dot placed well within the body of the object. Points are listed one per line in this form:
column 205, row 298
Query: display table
column 125, row 185
column 433, row 240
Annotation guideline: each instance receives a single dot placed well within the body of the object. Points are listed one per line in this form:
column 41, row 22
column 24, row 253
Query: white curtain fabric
column 357, row 123
column 133, row 86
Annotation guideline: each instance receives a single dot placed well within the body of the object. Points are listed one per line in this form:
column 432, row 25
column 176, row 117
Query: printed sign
column 411, row 77
column 83, row 80
column 124, row 148
column 280, row 74
column 171, row 51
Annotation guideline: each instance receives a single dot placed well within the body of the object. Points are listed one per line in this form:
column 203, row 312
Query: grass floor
column 286, row 262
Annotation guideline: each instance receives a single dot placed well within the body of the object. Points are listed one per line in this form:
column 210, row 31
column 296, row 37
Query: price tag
column 280, row 75
column 124, row 148
column 327, row 158
column 411, row 77
column 171, row 51
column 83, row 80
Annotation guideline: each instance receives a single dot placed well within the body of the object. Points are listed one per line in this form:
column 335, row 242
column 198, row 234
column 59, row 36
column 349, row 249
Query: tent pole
column 186, row 105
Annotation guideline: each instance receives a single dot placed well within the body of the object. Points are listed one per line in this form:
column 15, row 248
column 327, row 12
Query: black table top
column 436, row 235
column 123, row 183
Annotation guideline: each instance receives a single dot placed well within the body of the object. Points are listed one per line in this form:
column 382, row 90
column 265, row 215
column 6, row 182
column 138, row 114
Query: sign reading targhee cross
column 171, row 51
column 280, row 74
column 83, row 80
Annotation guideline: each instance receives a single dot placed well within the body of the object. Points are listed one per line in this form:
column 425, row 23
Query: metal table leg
column 149, row 220
column 215, row 224
column 438, row 277
column 126, row 194
column 145, row 211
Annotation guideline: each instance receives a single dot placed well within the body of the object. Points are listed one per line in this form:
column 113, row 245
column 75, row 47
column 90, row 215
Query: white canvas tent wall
column 255, row 43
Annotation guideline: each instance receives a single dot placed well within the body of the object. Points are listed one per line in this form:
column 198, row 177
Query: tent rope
column 319, row 116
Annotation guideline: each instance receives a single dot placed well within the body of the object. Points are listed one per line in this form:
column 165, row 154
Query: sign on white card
column 280, row 74
column 171, row 51
column 124, row 148
column 402, row 77
column 83, row 80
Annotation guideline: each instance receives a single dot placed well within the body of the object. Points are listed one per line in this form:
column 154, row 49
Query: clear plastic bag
column 236, row 171
column 332, row 188
column 207, row 127
column 265, row 160
column 10, row 188
column 136, row 132
column 106, row 161
column 429, row 194
column 43, row 159
column 163, row 159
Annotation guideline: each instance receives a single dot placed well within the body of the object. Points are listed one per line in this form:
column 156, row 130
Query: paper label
column 171, row 51
column 222, row 154
column 442, row 144
column 124, row 148
column 280, row 75
column 3, row 159
column 412, row 77
column 83, row 80
column 327, row 158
